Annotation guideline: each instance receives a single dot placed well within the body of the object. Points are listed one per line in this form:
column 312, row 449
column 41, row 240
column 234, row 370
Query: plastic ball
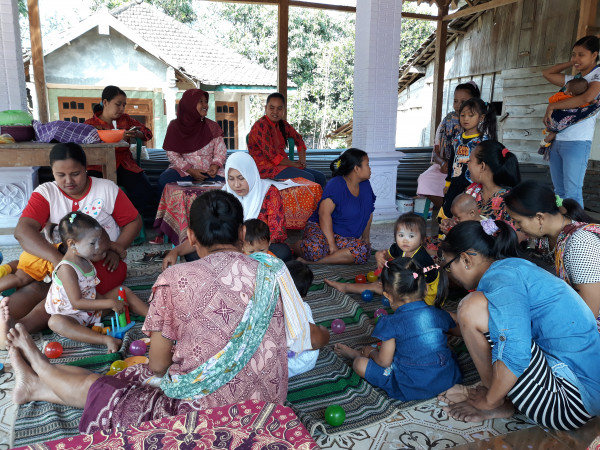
column 371, row 277
column 138, row 348
column 360, row 279
column 380, row 312
column 385, row 302
column 338, row 326
column 335, row 415
column 367, row 295
column 53, row 350
column 118, row 365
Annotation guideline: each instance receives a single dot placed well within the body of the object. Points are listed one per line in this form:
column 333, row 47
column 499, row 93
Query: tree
column 181, row 10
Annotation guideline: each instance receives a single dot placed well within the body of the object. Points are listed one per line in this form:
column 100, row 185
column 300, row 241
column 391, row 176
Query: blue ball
column 367, row 295
column 385, row 302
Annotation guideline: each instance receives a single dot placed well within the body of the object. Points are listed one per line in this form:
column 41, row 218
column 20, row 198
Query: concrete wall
column 12, row 76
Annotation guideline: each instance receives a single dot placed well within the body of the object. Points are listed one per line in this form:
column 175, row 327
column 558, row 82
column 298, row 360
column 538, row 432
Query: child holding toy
column 414, row 361
column 71, row 300
column 409, row 235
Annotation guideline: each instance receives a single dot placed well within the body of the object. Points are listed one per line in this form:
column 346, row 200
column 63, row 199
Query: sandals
column 152, row 257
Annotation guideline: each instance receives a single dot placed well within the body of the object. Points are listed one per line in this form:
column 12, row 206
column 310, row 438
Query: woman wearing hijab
column 260, row 200
column 194, row 143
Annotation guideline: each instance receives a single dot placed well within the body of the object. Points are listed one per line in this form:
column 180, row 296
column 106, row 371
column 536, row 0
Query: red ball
column 360, row 279
column 53, row 350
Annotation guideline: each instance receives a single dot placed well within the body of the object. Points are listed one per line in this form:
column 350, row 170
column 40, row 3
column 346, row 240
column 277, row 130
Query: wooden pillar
column 439, row 63
column 587, row 18
column 37, row 58
column 283, row 14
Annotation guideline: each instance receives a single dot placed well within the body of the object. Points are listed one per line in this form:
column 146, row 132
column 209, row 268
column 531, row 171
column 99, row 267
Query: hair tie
column 559, row 201
column 505, row 152
column 338, row 163
column 427, row 269
column 472, row 83
column 72, row 217
column 386, row 264
column 415, row 275
column 490, row 227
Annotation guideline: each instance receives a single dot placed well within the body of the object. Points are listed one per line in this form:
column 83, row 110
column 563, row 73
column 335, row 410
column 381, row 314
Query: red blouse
column 122, row 154
column 272, row 214
column 267, row 146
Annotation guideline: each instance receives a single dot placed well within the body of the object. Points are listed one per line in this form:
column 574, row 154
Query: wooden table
column 26, row 154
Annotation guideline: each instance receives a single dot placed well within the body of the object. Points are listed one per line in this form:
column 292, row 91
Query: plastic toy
column 118, row 365
column 360, row 279
column 385, row 302
column 123, row 317
column 335, row 415
column 116, row 330
column 377, row 272
column 133, row 360
column 138, row 348
column 338, row 326
column 380, row 312
column 367, row 295
column 371, row 277
column 53, row 350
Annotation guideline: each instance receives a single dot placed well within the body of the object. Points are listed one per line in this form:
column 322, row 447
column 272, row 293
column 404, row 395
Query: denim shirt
column 423, row 364
column 527, row 303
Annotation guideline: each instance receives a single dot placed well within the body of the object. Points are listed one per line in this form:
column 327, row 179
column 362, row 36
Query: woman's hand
column 170, row 259
column 133, row 132
column 477, row 398
column 333, row 248
column 111, row 261
column 302, row 159
column 548, row 115
column 197, row 174
column 212, row 170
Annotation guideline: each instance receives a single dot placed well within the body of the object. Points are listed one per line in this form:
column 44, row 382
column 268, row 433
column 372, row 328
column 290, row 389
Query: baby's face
column 462, row 215
column 408, row 240
column 257, row 246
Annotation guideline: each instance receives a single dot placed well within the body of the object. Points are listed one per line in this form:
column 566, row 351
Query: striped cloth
column 297, row 328
column 62, row 131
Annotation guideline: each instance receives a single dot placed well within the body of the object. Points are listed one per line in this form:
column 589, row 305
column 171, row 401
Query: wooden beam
column 587, row 17
column 478, row 8
column 253, row 2
column 37, row 59
column 409, row 15
column 302, row 4
column 283, row 13
column 441, row 35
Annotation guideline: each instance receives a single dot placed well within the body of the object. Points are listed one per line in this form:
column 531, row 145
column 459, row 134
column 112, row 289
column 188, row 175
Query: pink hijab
column 190, row 132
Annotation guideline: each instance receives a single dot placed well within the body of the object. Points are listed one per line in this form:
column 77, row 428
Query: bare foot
column 112, row 344
column 342, row 287
column 456, row 394
column 346, row 352
column 26, row 379
column 19, row 337
column 468, row 413
column 6, row 322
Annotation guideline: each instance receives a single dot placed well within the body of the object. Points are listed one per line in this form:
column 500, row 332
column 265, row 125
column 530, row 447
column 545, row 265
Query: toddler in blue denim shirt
column 414, row 361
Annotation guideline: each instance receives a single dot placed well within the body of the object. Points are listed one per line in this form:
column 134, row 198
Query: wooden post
column 441, row 36
column 587, row 18
column 37, row 58
column 283, row 13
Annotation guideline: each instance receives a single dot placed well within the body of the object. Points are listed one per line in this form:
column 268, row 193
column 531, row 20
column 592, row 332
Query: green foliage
column 413, row 33
column 23, row 7
column 181, row 10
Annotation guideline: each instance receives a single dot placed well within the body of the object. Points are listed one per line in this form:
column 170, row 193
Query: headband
column 490, row 227
column 559, row 201
column 505, row 152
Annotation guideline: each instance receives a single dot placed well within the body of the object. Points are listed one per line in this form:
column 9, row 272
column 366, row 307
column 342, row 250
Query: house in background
column 504, row 51
column 154, row 59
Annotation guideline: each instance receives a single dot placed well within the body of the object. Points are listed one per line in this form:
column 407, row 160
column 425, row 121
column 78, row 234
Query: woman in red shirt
column 267, row 142
column 109, row 115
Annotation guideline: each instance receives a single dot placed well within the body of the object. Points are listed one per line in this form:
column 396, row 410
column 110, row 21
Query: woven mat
column 332, row 381
column 42, row 421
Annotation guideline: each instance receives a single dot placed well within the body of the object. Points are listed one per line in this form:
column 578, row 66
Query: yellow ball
column 118, row 365
column 371, row 277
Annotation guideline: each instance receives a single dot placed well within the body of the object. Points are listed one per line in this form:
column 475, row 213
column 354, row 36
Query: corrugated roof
column 198, row 55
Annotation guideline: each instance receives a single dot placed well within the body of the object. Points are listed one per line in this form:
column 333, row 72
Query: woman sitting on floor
column 194, row 143
column 267, row 142
column 236, row 318
column 532, row 339
column 260, row 200
column 568, row 237
column 338, row 232
column 72, row 191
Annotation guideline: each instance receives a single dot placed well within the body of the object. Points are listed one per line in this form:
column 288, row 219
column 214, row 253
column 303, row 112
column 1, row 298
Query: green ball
column 335, row 415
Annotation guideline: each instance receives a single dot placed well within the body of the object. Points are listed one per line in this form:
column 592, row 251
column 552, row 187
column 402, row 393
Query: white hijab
column 252, row 202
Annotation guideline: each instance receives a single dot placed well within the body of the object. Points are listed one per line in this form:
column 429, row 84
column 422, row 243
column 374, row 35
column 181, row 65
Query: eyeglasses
column 446, row 266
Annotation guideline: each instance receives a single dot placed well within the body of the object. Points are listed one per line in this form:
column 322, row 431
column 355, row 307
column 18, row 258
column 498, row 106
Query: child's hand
column 118, row 306
column 447, row 224
column 380, row 258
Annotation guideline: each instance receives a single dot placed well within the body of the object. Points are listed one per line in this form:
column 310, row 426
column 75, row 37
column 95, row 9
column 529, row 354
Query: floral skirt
column 315, row 246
